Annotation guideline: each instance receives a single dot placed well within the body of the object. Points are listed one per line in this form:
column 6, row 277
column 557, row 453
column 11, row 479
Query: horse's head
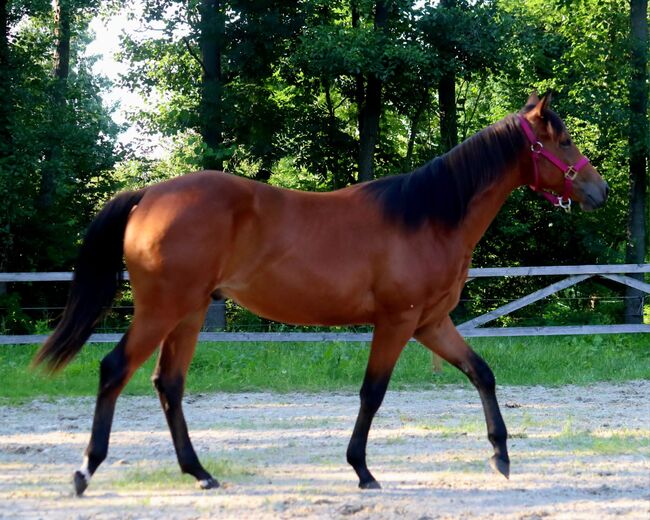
column 558, row 165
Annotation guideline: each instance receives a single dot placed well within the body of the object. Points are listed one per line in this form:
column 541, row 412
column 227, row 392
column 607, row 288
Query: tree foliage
column 316, row 95
column 41, row 237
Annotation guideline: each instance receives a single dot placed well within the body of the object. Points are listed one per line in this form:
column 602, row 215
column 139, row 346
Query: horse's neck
column 485, row 206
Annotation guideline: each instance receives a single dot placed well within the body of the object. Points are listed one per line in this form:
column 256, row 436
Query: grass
column 599, row 443
column 314, row 367
column 169, row 476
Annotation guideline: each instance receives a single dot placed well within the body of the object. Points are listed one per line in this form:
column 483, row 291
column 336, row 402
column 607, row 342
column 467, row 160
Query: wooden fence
column 472, row 328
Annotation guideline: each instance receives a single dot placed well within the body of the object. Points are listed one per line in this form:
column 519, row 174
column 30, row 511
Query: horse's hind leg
column 169, row 379
column 446, row 341
column 387, row 343
column 116, row 369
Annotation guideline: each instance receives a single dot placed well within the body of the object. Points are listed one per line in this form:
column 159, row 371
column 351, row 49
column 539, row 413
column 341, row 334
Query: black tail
column 97, row 275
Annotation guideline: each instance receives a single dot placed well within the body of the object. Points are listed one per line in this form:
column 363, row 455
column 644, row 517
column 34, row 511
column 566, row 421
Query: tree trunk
column 212, row 28
column 370, row 109
column 638, row 144
column 211, row 39
column 415, row 122
column 369, row 128
column 447, row 97
column 448, row 118
column 359, row 87
column 5, row 84
column 6, row 135
column 52, row 164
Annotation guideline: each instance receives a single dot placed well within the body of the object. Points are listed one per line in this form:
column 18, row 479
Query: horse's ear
column 541, row 106
column 546, row 101
column 533, row 99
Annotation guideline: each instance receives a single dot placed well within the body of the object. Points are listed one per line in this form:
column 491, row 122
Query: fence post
column 215, row 318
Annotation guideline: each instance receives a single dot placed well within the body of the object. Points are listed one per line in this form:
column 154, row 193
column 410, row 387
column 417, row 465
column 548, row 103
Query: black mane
column 442, row 189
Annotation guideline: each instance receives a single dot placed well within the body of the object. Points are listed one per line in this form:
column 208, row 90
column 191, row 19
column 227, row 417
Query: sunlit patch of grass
column 170, row 477
column 521, row 427
column 469, row 427
column 334, row 366
column 395, row 440
column 460, row 464
column 620, row 442
column 289, row 423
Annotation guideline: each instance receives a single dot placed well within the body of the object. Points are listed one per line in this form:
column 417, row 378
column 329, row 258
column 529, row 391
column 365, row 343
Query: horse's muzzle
column 594, row 196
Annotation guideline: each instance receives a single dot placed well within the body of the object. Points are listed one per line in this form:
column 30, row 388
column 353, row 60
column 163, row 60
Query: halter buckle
column 570, row 173
column 566, row 206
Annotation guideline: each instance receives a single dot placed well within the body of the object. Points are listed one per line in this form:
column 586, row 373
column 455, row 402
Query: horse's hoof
column 208, row 483
column 500, row 465
column 372, row 484
column 80, row 483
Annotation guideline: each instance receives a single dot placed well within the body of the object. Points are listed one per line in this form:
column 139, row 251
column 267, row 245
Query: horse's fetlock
column 498, row 437
column 94, row 457
column 187, row 469
column 355, row 455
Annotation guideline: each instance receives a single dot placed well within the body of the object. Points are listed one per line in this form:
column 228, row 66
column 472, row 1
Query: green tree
column 62, row 140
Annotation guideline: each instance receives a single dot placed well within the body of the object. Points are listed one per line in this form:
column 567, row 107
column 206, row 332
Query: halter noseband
column 570, row 171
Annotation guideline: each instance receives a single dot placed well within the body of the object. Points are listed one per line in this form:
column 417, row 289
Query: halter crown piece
column 570, row 171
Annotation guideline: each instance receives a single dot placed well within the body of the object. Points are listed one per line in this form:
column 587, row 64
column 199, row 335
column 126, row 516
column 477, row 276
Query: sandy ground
column 576, row 452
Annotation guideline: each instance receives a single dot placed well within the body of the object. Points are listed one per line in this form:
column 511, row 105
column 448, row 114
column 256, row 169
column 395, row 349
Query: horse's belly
column 303, row 307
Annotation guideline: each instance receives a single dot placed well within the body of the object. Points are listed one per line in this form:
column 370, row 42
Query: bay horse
column 393, row 253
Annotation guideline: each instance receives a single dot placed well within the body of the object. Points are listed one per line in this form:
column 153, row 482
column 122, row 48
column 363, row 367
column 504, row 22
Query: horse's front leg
column 446, row 341
column 388, row 341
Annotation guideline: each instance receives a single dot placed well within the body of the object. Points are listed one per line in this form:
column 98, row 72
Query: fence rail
column 472, row 328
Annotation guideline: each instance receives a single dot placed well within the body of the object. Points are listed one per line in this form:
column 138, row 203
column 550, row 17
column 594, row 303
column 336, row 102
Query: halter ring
column 536, row 147
column 566, row 206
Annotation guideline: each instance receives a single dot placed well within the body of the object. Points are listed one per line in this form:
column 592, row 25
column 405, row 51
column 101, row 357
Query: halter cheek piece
column 570, row 171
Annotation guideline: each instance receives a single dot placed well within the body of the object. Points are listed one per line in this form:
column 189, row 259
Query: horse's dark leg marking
column 112, row 378
column 170, row 392
column 445, row 341
column 169, row 380
column 481, row 376
column 387, row 344
column 116, row 369
column 372, row 394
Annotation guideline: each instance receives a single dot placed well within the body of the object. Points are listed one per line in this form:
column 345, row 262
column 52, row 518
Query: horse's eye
column 566, row 143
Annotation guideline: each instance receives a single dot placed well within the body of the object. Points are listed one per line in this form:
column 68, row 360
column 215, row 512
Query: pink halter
column 570, row 171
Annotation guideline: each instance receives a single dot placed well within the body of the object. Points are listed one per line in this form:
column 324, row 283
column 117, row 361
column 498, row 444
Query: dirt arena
column 576, row 453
